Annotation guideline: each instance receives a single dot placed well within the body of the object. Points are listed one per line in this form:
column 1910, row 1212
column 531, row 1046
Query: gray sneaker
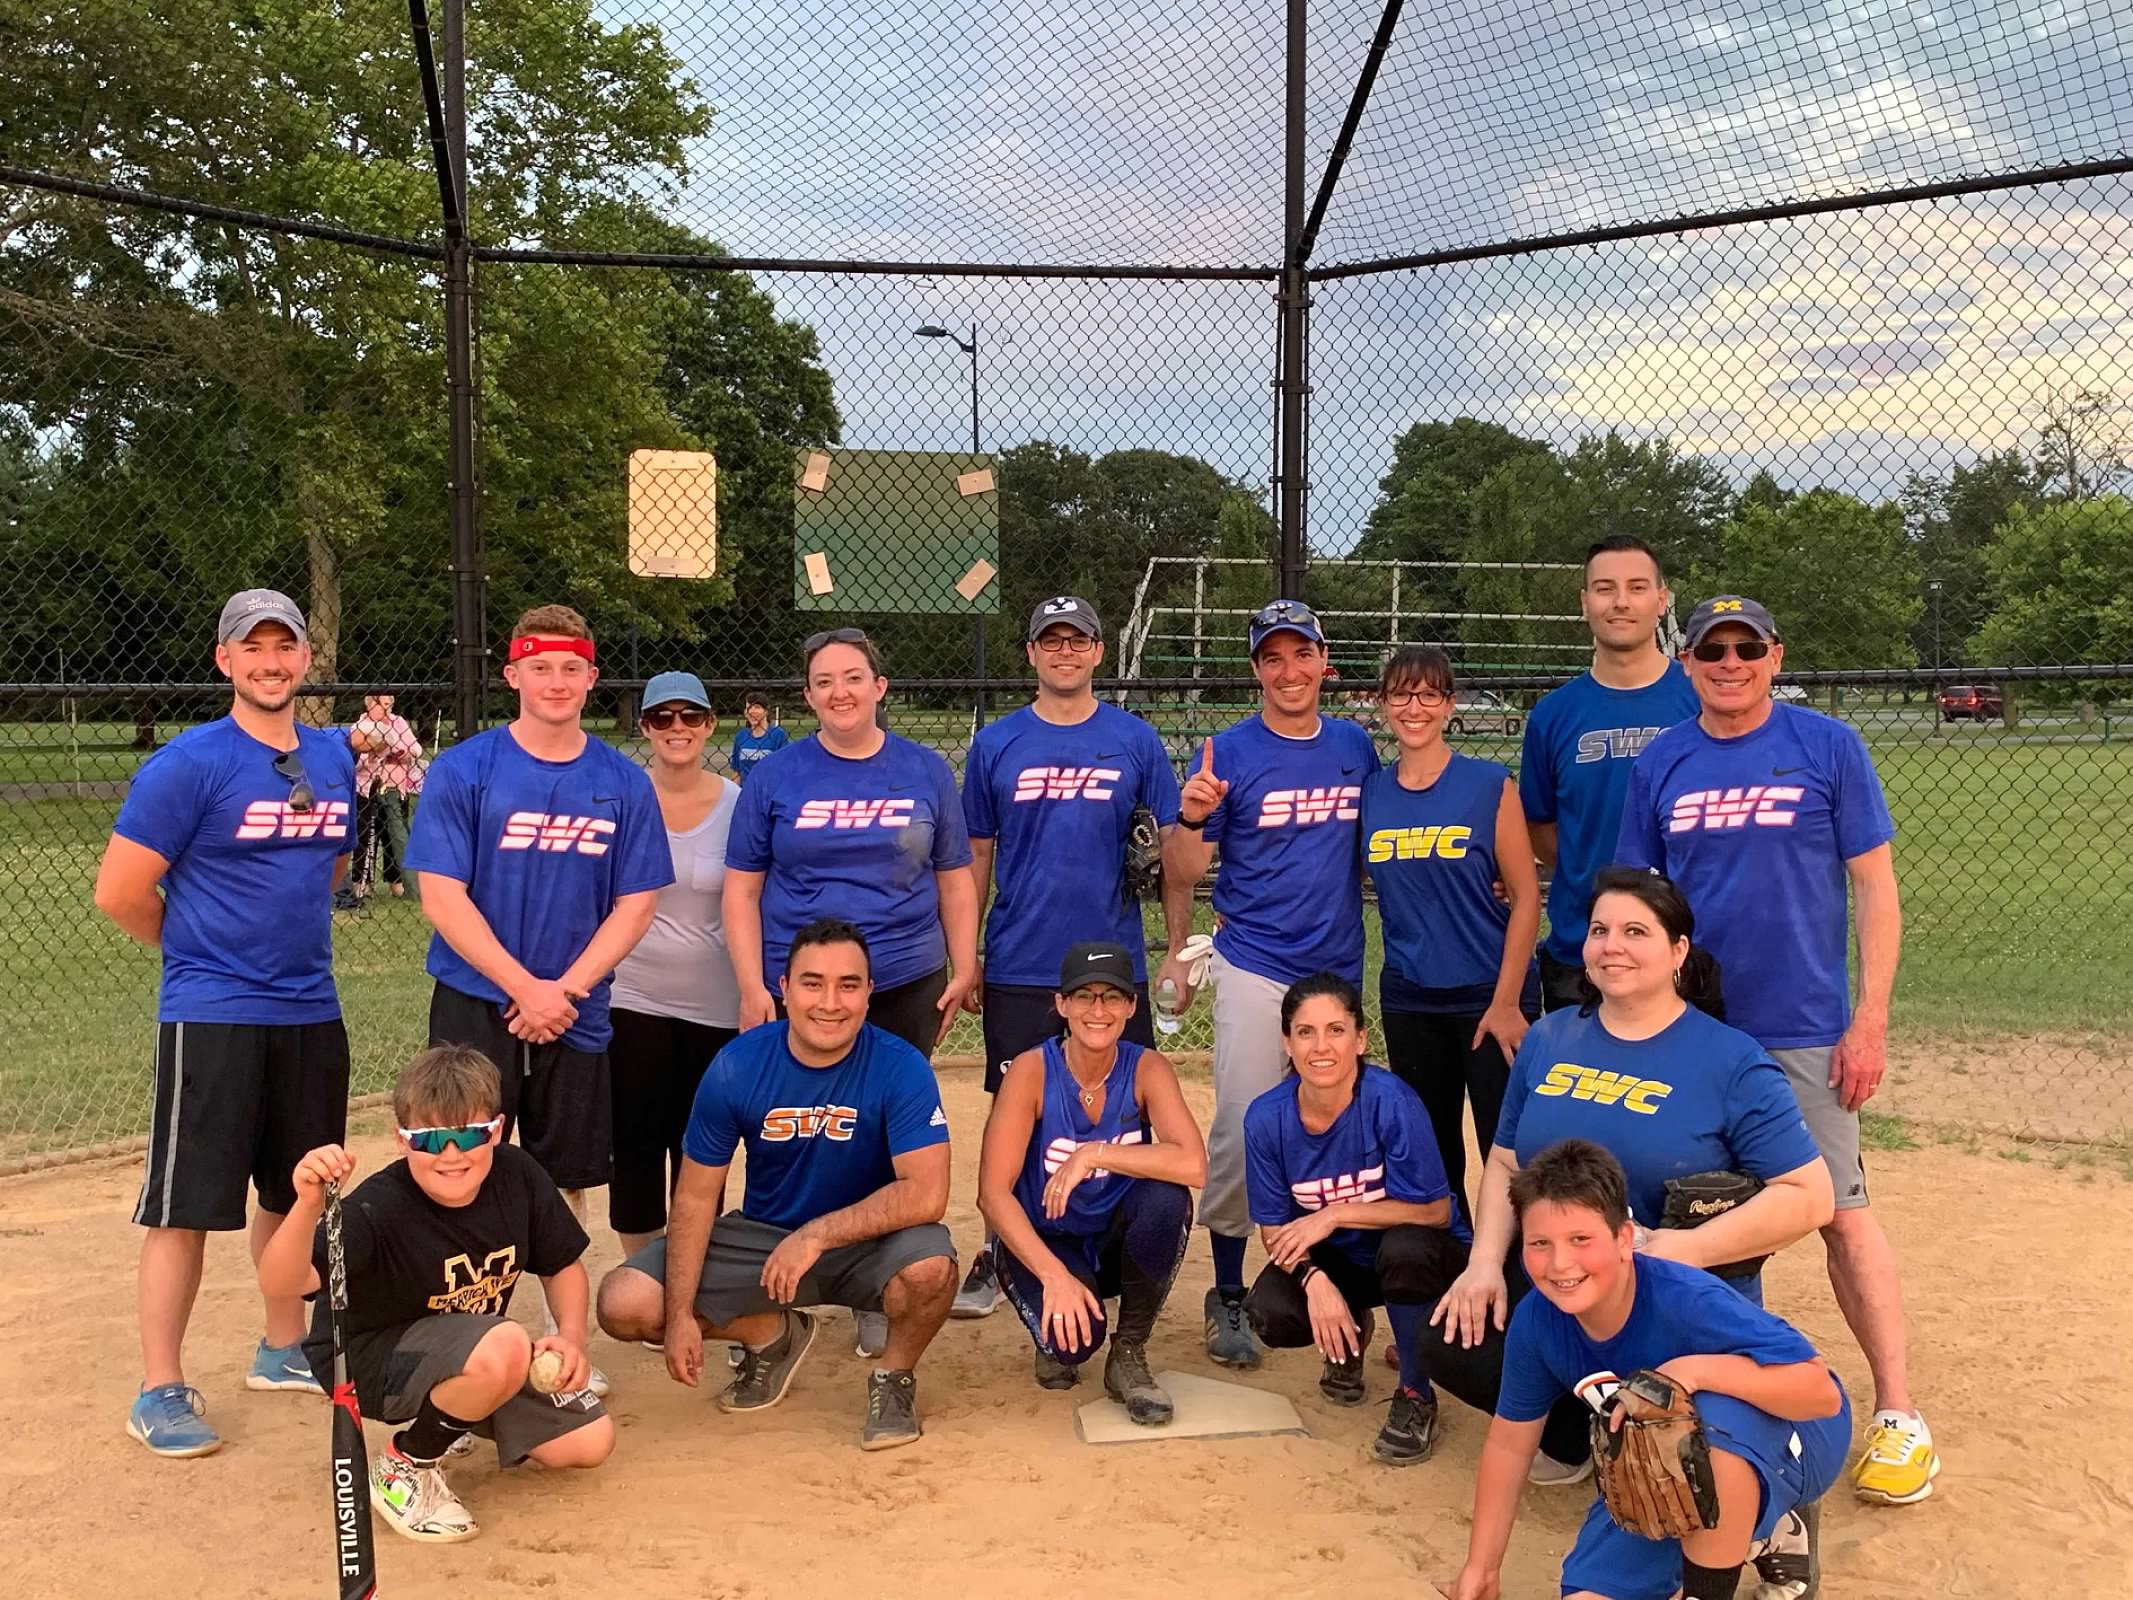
column 1410, row 1430
column 980, row 1295
column 1128, row 1381
column 1052, row 1373
column 1230, row 1340
column 762, row 1376
column 1788, row 1564
column 892, row 1411
column 1342, row 1382
column 870, row 1333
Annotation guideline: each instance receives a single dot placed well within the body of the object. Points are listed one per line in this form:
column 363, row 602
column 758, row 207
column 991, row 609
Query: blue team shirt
column 819, row 1138
column 545, row 849
column 1289, row 886
column 1059, row 801
column 1574, row 772
column 1756, row 831
column 1677, row 1311
column 1063, row 1127
column 248, row 899
column 1380, row 1148
column 1432, row 854
column 1696, row 1097
column 749, row 749
column 859, row 840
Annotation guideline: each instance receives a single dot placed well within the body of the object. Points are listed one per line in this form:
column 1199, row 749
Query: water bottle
column 1167, row 1020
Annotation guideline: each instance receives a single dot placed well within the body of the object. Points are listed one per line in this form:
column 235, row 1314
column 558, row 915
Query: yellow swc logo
column 1412, row 844
column 1641, row 1095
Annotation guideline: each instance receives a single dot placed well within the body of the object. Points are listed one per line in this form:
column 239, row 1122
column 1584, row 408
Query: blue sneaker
column 169, row 1421
column 284, row 1368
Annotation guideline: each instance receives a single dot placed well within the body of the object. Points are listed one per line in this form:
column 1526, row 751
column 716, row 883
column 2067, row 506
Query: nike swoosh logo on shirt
column 1783, row 772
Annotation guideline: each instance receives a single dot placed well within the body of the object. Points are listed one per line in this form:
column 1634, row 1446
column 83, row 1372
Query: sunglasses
column 1719, row 649
column 435, row 1141
column 666, row 716
column 828, row 636
column 290, row 765
column 1284, row 611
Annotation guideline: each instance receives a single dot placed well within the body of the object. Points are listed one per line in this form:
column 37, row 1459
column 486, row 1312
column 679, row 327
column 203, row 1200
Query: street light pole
column 977, row 447
column 1934, row 587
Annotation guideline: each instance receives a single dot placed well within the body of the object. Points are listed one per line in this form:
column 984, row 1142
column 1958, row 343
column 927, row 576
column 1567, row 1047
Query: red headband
column 534, row 644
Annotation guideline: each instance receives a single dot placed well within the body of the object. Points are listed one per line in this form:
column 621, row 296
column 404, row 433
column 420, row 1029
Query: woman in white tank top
column 676, row 1004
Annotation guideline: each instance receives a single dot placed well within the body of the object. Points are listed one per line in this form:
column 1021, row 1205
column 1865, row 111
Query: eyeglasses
column 828, row 636
column 1094, row 996
column 1429, row 699
column 1079, row 644
column 1718, row 649
column 435, row 1141
column 290, row 765
column 666, row 716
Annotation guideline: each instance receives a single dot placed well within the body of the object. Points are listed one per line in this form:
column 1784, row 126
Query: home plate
column 1207, row 1408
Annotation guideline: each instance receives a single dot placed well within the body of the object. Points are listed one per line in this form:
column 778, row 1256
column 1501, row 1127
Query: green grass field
column 2017, row 879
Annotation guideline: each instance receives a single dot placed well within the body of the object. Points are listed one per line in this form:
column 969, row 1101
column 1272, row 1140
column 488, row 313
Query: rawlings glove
column 1693, row 1201
column 1655, row 1468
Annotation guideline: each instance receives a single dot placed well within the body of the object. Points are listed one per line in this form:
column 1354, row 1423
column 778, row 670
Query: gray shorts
column 1249, row 1060
column 1836, row 1130
column 428, row 1352
column 851, row 1275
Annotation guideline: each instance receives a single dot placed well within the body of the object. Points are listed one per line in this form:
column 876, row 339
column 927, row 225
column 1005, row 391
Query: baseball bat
column 354, row 1559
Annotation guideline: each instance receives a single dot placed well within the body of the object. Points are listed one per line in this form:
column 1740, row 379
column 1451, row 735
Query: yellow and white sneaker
column 1899, row 1464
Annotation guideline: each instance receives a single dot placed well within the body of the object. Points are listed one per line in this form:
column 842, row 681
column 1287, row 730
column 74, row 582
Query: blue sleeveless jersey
column 1062, row 1129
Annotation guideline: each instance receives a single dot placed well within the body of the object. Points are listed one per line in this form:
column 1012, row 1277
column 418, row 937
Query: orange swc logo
column 809, row 1122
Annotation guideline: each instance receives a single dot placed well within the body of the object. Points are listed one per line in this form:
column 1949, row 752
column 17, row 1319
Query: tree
column 1421, row 514
column 1950, row 522
column 2084, row 442
column 1763, row 490
column 1838, row 575
column 2062, row 585
column 1649, row 488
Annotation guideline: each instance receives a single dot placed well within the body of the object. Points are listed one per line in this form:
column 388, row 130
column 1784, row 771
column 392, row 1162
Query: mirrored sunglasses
column 435, row 1141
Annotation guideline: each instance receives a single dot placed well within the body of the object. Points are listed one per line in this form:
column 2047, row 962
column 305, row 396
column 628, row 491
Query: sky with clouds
column 1849, row 349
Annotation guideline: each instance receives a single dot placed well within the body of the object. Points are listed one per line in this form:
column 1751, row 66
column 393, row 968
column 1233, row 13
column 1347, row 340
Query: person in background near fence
column 388, row 772
column 1050, row 794
column 1281, row 794
column 1764, row 813
column 757, row 736
column 541, row 857
column 847, row 1183
column 246, row 824
column 1573, row 770
column 675, row 1002
column 867, row 824
column 1089, row 1160
column 1440, row 831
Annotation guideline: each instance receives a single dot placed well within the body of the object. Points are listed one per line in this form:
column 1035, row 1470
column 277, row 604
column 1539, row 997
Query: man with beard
column 245, row 824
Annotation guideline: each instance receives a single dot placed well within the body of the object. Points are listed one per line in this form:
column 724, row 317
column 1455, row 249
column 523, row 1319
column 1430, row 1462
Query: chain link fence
column 714, row 324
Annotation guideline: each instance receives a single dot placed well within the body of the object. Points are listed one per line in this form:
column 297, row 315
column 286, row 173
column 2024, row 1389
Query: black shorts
column 238, row 1103
column 654, row 1066
column 1020, row 1017
column 851, row 1275
column 555, row 1096
column 1560, row 985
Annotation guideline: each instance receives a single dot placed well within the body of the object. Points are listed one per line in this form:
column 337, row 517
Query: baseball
column 545, row 1375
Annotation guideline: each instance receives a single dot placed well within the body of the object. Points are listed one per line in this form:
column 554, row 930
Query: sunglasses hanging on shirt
column 290, row 765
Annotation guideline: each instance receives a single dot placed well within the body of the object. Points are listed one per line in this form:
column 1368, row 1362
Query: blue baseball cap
column 1730, row 608
column 1277, row 615
column 669, row 687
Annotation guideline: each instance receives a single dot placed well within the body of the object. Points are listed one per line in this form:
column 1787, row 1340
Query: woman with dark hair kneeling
column 1345, row 1183
column 1088, row 1159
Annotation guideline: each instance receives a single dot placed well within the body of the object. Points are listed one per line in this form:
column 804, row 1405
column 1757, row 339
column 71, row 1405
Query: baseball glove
column 1693, row 1201
column 1144, row 858
column 1655, row 1469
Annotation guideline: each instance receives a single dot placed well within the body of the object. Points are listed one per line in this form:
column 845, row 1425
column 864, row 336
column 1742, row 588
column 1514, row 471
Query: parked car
column 1485, row 712
column 1976, row 702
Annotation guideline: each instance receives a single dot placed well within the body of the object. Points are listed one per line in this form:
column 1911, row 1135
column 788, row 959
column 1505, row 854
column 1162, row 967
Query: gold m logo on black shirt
column 479, row 1294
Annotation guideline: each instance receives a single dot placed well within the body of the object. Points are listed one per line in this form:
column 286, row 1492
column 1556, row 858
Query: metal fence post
column 470, row 631
column 1293, row 388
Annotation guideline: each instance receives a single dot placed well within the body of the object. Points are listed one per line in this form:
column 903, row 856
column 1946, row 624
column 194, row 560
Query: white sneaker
column 416, row 1502
column 870, row 1333
column 1788, row 1563
column 597, row 1381
column 461, row 1448
column 1549, row 1473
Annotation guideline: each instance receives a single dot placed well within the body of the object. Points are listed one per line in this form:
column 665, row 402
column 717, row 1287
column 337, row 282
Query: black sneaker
column 1789, row 1562
column 1410, row 1430
column 892, row 1411
column 1128, row 1381
column 761, row 1377
column 980, row 1295
column 1342, row 1382
column 1230, row 1340
column 1052, row 1373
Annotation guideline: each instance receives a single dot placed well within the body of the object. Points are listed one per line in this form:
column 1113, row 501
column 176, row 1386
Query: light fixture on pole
column 932, row 331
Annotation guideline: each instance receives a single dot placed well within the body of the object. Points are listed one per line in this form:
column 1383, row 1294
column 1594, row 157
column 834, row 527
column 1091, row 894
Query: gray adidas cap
column 249, row 608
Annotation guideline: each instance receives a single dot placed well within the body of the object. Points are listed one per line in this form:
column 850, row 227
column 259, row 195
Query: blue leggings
column 1135, row 1259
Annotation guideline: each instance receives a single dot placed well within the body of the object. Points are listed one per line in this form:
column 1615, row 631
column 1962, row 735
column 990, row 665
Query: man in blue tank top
column 1280, row 794
column 1089, row 1156
column 1766, row 814
column 1050, row 793
column 1582, row 737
